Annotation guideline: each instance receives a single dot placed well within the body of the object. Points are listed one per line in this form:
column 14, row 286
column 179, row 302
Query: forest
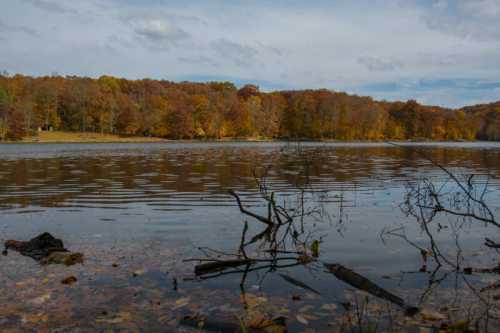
column 218, row 110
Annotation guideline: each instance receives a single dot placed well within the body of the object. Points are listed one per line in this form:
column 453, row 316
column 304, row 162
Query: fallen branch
column 249, row 213
column 491, row 244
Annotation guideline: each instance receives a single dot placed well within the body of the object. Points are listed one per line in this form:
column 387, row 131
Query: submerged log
column 362, row 283
column 45, row 249
column 219, row 266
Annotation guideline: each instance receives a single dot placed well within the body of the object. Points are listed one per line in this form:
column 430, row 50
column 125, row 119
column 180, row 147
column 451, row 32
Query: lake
column 141, row 212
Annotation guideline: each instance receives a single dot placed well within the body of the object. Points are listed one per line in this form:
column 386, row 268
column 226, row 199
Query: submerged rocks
column 46, row 249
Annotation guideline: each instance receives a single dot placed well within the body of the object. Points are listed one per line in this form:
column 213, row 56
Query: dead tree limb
column 259, row 218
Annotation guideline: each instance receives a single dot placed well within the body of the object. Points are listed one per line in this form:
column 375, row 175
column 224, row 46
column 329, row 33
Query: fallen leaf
column 181, row 302
column 309, row 317
column 35, row 318
column 306, row 308
column 69, row 280
column 40, row 299
column 302, row 320
column 432, row 315
column 260, row 322
column 138, row 272
column 329, row 307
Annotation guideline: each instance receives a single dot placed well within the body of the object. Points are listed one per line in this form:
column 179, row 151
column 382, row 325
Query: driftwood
column 362, row 283
column 46, row 249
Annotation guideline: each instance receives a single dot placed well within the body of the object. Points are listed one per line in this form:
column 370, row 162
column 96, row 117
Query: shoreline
column 97, row 138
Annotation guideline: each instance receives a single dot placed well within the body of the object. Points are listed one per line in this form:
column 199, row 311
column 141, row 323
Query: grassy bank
column 91, row 137
column 57, row 136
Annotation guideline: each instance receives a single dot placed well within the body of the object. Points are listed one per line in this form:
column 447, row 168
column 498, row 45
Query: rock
column 37, row 248
column 45, row 249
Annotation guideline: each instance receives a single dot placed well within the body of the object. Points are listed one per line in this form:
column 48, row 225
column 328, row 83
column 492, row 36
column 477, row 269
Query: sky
column 439, row 52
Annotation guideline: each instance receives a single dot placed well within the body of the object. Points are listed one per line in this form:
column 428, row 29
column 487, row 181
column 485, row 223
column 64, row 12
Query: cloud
column 477, row 20
column 480, row 8
column 51, row 6
column 118, row 41
column 440, row 4
column 379, row 64
column 6, row 28
column 158, row 34
column 384, row 48
column 241, row 55
column 272, row 49
column 200, row 60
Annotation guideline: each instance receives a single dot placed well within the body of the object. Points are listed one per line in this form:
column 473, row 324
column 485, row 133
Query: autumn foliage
column 217, row 110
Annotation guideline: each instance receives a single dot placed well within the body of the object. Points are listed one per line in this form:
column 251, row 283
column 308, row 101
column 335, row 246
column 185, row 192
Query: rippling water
column 174, row 197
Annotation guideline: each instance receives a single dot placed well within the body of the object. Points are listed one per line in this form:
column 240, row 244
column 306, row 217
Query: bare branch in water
column 247, row 212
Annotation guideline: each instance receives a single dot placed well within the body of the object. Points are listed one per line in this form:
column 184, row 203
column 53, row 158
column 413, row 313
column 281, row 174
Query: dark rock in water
column 45, row 249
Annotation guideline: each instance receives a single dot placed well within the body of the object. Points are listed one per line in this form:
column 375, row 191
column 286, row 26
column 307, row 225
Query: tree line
column 217, row 110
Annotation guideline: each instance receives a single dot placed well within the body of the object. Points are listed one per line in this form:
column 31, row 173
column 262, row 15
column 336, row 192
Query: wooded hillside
column 219, row 110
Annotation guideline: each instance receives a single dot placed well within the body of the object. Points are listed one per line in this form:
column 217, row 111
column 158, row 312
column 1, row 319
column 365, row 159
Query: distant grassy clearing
column 57, row 136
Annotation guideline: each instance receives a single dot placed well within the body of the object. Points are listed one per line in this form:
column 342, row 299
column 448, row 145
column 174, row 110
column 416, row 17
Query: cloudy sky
column 441, row 52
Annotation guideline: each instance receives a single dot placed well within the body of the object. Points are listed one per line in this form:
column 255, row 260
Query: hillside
column 218, row 110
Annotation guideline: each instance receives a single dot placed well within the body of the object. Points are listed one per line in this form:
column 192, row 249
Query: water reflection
column 187, row 177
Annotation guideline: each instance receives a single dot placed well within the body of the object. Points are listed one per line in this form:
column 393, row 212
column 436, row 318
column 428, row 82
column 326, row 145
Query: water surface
column 147, row 207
